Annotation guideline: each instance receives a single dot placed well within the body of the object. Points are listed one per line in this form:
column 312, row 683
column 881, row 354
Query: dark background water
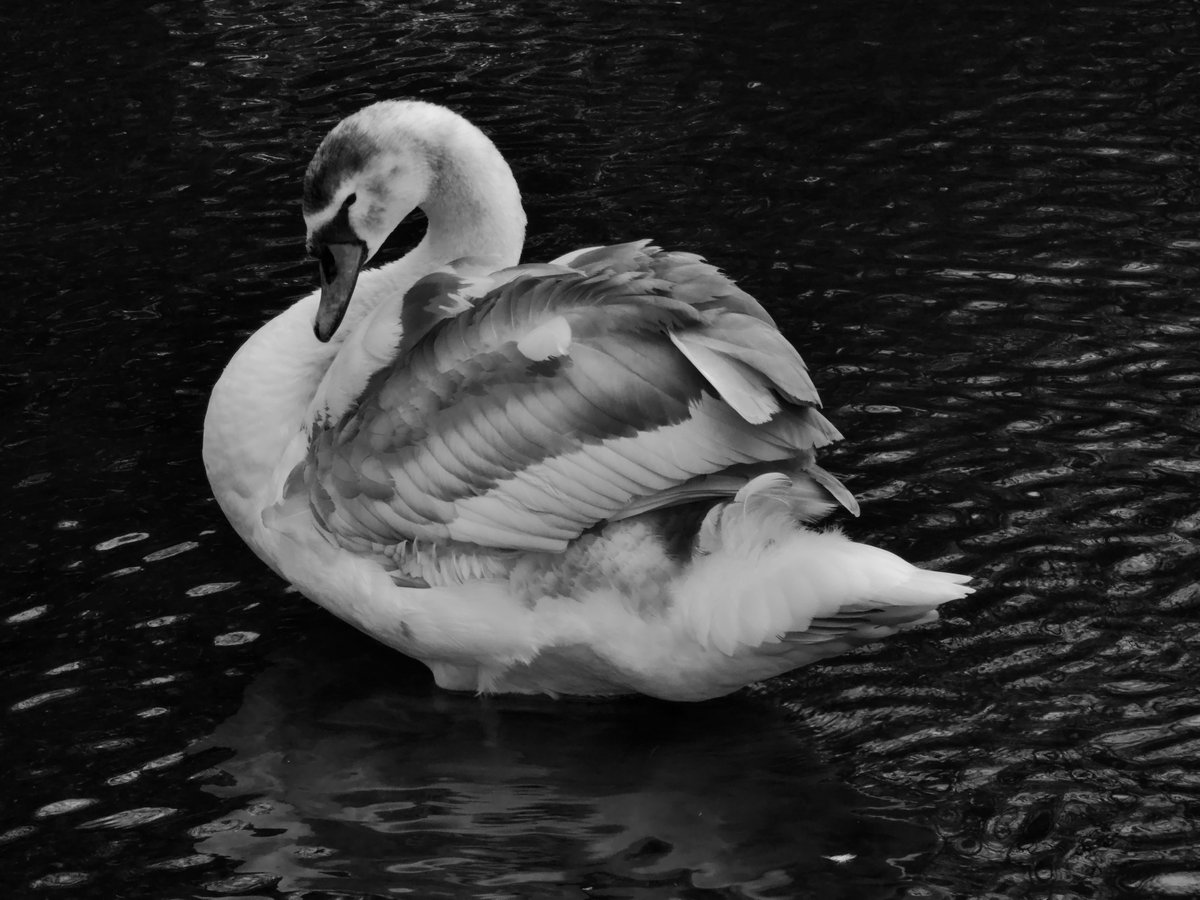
column 980, row 223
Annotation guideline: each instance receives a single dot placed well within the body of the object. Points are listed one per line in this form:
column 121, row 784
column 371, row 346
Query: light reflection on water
column 979, row 223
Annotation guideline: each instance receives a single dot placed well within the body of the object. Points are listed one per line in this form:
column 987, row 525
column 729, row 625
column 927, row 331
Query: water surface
column 978, row 222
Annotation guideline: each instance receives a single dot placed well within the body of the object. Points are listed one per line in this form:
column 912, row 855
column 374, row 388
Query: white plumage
column 588, row 476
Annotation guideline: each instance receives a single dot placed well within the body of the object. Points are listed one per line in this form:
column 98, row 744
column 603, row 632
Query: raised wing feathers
column 520, row 409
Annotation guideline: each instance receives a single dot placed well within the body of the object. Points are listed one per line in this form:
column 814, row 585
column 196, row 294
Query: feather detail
column 761, row 579
column 523, row 407
column 830, row 482
column 738, row 345
column 746, row 389
column 551, row 338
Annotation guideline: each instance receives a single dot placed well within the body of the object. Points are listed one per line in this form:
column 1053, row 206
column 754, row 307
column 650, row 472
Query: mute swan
column 590, row 476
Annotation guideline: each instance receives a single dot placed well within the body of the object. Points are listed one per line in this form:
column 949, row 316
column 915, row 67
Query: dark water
column 981, row 224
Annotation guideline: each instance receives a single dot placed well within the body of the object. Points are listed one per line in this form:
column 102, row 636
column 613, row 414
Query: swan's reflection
column 359, row 776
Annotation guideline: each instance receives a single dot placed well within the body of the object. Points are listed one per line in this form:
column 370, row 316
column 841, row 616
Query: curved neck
column 474, row 205
column 258, row 409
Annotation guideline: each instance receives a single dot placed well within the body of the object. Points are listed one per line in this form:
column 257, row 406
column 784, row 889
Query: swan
column 592, row 476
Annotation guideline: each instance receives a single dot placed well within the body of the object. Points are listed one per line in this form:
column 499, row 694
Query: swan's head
column 384, row 161
column 370, row 172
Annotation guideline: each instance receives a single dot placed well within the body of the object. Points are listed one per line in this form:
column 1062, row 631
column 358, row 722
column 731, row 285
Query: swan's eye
column 328, row 266
column 349, row 201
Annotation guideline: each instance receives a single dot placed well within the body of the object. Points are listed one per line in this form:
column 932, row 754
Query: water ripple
column 978, row 222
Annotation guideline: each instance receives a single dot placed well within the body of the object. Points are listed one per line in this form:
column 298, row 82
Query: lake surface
column 979, row 222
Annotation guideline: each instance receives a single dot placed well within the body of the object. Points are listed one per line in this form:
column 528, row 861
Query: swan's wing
column 521, row 409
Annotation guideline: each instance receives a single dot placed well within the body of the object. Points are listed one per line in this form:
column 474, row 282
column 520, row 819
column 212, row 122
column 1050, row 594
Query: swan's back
column 522, row 408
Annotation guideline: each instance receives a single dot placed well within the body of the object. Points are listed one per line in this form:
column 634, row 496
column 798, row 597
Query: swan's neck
column 474, row 205
column 253, row 431
column 256, row 412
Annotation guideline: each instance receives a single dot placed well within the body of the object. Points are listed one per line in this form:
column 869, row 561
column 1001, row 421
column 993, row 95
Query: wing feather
column 519, row 409
column 744, row 388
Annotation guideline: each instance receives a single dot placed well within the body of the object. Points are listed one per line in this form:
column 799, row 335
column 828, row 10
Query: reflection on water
column 352, row 774
column 979, row 221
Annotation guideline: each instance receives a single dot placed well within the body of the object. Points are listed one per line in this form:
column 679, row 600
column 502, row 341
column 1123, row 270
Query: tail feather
column 760, row 578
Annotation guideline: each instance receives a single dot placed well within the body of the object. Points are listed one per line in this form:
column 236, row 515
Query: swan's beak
column 339, row 265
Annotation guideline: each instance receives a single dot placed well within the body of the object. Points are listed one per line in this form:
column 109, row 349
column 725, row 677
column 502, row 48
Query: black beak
column 340, row 264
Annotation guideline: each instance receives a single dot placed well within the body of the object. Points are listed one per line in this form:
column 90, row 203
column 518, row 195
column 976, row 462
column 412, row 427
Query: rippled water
column 981, row 224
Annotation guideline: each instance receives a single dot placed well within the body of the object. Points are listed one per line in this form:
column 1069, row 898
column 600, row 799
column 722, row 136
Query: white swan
column 582, row 477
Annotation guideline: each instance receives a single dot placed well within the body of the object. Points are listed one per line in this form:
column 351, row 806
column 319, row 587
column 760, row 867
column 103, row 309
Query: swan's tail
column 759, row 578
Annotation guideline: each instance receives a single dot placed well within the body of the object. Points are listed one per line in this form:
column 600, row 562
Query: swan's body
column 582, row 477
